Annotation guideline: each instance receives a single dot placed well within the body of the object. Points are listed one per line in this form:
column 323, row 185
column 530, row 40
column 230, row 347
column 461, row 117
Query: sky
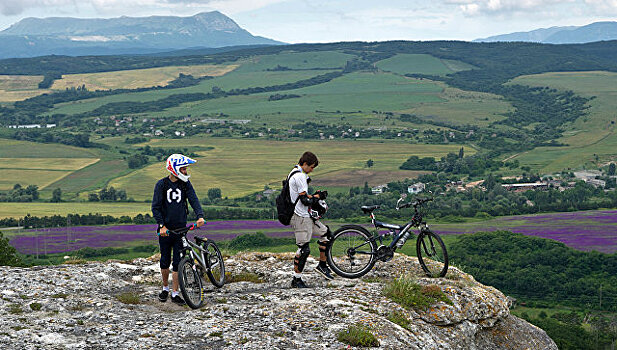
column 311, row 21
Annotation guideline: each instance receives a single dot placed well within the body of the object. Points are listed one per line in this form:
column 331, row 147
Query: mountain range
column 598, row 31
column 124, row 35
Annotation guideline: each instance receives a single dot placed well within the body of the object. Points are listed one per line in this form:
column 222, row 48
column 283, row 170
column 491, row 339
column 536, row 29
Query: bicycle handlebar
column 417, row 202
column 183, row 230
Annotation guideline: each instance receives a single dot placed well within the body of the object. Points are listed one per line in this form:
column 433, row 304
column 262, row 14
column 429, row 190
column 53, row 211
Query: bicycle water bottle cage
column 369, row 208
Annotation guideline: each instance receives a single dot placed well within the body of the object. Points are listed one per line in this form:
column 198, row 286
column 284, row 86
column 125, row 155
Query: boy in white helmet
column 170, row 210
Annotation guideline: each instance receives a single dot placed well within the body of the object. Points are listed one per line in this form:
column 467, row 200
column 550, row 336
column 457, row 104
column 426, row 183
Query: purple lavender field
column 583, row 230
column 62, row 239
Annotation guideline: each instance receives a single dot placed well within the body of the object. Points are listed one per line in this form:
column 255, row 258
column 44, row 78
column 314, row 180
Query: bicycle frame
column 397, row 231
column 193, row 249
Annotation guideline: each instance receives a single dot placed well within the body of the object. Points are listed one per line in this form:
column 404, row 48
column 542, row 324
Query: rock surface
column 77, row 307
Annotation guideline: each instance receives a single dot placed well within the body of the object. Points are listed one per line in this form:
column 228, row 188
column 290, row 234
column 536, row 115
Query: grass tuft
column 357, row 335
column 407, row 293
column 243, row 277
column 399, row 318
column 36, row 306
column 130, row 298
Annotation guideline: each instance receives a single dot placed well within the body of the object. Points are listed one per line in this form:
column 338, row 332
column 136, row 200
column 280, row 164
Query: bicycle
column 197, row 258
column 353, row 251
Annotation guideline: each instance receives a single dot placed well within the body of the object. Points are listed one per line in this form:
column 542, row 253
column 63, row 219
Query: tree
column 214, row 193
column 33, row 190
column 56, row 195
column 369, row 163
column 93, row 197
column 611, row 169
column 366, row 190
column 461, row 153
column 8, row 254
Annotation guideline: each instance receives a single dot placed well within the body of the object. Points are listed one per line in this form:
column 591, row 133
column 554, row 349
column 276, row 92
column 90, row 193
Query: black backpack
column 284, row 206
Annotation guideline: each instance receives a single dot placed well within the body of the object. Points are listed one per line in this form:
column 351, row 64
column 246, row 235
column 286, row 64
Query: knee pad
column 303, row 253
column 328, row 235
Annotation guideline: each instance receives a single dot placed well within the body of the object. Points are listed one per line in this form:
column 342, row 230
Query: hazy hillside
column 598, row 31
column 77, row 36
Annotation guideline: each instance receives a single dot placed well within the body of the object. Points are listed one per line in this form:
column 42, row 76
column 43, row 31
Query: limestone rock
column 78, row 307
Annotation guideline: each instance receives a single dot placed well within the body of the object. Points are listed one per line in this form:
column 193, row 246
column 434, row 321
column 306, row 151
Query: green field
column 30, row 163
column 19, row 87
column 351, row 93
column 251, row 73
column 18, row 210
column 26, row 149
column 464, row 107
column 421, row 64
column 137, row 78
column 242, row 166
column 588, row 136
column 90, row 178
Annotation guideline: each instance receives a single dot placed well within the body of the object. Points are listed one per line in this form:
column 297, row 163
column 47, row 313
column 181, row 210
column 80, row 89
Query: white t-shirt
column 297, row 185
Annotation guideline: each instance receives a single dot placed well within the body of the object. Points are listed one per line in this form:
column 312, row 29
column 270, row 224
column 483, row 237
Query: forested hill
column 493, row 61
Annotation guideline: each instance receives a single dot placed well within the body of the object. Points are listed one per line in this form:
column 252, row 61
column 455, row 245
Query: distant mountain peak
column 67, row 35
column 597, row 31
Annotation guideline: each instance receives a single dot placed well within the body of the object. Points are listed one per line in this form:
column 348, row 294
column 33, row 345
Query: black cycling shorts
column 167, row 244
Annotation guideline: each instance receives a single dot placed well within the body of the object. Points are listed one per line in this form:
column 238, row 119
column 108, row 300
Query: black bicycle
column 198, row 257
column 354, row 251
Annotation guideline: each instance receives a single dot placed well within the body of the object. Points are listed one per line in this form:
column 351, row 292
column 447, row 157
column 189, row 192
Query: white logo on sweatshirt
column 174, row 195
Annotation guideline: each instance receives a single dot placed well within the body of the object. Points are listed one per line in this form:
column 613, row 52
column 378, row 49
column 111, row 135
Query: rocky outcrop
column 79, row 306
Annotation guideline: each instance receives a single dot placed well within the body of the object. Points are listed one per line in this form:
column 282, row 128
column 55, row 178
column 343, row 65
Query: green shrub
column 407, row 293
column 250, row 240
column 8, row 254
column 148, row 248
column 36, row 306
column 357, row 335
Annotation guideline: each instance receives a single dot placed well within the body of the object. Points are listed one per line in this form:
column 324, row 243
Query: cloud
column 477, row 7
column 603, row 6
column 16, row 7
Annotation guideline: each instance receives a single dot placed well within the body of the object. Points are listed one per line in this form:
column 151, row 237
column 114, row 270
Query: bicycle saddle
column 199, row 240
column 369, row 208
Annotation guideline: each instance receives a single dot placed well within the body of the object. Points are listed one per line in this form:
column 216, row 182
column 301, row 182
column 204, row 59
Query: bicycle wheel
column 351, row 253
column 432, row 254
column 215, row 267
column 190, row 283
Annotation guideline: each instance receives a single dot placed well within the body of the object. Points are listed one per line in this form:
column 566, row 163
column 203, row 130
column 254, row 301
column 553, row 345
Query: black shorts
column 168, row 243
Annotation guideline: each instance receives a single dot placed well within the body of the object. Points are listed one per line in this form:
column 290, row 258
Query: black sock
column 322, row 264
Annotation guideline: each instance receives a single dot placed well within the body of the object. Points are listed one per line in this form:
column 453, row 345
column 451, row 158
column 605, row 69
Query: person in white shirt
column 303, row 224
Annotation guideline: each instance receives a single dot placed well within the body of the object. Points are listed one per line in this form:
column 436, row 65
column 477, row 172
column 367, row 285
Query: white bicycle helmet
column 177, row 161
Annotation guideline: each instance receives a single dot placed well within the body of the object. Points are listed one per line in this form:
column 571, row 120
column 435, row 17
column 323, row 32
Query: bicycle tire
column 430, row 246
column 340, row 257
column 190, row 283
column 215, row 266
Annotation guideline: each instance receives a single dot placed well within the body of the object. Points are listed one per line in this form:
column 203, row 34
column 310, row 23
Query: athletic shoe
column 298, row 283
column 163, row 296
column 178, row 300
column 324, row 271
